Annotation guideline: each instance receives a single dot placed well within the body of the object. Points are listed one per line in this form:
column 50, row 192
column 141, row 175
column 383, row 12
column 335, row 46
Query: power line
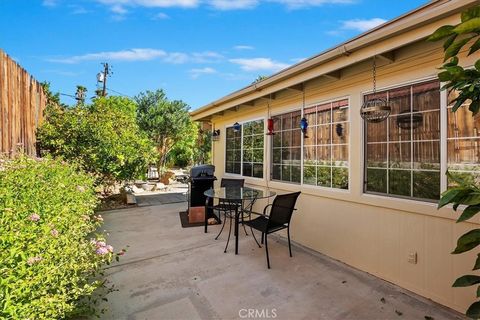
column 122, row 94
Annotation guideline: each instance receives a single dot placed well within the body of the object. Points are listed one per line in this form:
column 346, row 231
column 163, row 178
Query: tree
column 165, row 122
column 184, row 151
column 467, row 83
column 259, row 78
column 103, row 138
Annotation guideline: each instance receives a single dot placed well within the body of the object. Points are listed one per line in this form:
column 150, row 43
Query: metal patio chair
column 279, row 218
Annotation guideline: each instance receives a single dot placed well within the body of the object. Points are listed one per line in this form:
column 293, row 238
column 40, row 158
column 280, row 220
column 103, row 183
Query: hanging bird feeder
column 376, row 109
column 270, row 131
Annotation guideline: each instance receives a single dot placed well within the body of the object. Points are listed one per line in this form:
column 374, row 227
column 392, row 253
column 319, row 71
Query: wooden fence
column 22, row 102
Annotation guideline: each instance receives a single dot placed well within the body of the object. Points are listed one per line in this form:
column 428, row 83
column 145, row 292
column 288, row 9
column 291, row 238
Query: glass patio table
column 235, row 194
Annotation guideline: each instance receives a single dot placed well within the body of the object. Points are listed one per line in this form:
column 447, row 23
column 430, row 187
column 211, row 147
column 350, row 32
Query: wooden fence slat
column 22, row 102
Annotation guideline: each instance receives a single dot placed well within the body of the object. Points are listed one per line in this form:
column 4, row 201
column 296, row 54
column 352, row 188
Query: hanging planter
column 377, row 109
column 408, row 122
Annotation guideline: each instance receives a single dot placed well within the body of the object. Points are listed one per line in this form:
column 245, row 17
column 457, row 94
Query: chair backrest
column 282, row 208
column 225, row 183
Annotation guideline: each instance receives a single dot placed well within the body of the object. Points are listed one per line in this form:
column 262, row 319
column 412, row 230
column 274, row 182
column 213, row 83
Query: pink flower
column 100, row 244
column 85, row 217
column 99, row 218
column 81, row 188
column 101, row 251
column 54, row 233
column 33, row 260
column 34, row 217
column 109, row 248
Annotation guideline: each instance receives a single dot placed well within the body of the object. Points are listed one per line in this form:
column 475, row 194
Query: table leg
column 206, row 214
column 236, row 228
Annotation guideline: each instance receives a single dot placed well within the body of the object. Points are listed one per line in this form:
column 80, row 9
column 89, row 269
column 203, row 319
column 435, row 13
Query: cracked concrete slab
column 175, row 273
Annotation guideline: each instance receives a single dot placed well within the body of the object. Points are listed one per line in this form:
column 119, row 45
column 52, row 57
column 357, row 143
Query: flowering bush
column 48, row 262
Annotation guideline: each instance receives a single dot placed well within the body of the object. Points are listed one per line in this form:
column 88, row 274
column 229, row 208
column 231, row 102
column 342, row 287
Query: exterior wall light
column 216, row 135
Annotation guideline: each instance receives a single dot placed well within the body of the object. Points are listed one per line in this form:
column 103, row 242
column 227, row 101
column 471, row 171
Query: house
column 369, row 190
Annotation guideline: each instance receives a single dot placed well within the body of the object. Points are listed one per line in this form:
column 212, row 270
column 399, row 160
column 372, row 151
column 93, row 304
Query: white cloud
column 215, row 4
column 49, row 3
column 118, row 9
column 176, row 58
column 362, row 24
column 297, row 60
column 297, row 4
column 143, row 54
column 78, row 9
column 195, row 73
column 259, row 64
column 243, row 47
column 206, row 57
column 161, row 16
column 233, row 4
column 122, row 55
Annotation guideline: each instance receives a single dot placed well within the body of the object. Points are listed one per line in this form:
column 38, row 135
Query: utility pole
column 102, row 77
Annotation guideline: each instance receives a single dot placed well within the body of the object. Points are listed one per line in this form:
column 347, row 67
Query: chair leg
column 253, row 234
column 289, row 245
column 229, row 233
column 266, row 249
column 245, row 229
column 263, row 236
column 223, row 226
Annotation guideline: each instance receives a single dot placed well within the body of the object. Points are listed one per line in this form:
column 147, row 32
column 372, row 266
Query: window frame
column 230, row 125
column 302, row 114
column 443, row 143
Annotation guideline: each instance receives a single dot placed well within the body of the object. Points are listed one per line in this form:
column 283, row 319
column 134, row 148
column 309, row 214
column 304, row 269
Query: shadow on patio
column 175, row 273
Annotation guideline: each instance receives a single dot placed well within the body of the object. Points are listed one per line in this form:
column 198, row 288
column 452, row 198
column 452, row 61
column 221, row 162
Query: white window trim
column 241, row 150
column 443, row 142
column 302, row 112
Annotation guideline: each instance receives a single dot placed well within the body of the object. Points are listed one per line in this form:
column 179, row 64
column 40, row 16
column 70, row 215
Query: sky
column 196, row 50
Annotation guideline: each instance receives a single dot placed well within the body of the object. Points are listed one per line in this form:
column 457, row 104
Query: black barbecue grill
column 201, row 179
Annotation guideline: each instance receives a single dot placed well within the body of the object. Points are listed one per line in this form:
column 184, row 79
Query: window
column 287, row 150
column 326, row 145
column 253, row 138
column 402, row 154
column 233, row 155
column 244, row 149
column 463, row 143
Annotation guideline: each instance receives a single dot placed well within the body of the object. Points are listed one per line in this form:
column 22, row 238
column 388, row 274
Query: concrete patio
column 170, row 272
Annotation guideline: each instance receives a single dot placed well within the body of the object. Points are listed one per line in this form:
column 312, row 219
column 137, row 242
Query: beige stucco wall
column 372, row 233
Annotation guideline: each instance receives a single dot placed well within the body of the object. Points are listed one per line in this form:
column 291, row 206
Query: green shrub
column 103, row 138
column 48, row 264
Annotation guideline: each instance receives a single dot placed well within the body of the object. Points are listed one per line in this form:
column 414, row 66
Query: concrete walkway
column 175, row 273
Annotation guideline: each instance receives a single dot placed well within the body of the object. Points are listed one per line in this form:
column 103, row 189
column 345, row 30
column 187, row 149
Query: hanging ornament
column 304, row 126
column 303, row 121
column 376, row 109
column 270, row 126
column 270, row 131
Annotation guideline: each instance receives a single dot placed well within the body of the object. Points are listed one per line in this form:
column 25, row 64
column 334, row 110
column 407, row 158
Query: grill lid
column 202, row 171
